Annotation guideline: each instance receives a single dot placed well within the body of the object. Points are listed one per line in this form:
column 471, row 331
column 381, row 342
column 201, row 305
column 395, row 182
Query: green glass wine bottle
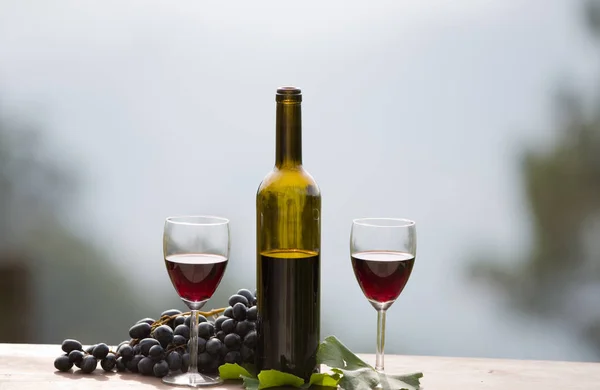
column 288, row 240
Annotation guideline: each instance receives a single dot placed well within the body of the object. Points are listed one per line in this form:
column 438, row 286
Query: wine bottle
column 288, row 240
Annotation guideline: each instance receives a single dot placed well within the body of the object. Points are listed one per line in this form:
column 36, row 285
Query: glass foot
column 192, row 380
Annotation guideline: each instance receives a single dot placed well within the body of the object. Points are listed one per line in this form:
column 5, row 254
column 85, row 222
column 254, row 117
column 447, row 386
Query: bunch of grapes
column 158, row 347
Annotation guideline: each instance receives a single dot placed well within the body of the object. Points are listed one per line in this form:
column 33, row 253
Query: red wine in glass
column 382, row 275
column 196, row 276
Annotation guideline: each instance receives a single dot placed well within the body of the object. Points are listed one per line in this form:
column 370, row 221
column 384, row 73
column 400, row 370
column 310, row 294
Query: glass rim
column 194, row 220
column 401, row 222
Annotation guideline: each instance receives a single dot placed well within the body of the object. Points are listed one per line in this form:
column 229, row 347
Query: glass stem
column 193, row 368
column 380, row 339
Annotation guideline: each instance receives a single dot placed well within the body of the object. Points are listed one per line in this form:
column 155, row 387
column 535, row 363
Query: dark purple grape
column 132, row 365
column 126, row 352
column 179, row 340
column 182, row 330
column 147, row 320
column 71, row 345
column 76, row 357
column 146, row 344
column 122, row 343
column 233, row 341
column 204, row 359
column 233, row 357
column 239, row 311
column 164, row 335
column 201, row 319
column 228, row 325
column 219, row 321
column 228, row 312
column 62, row 363
column 140, row 330
column 246, row 294
column 145, row 366
column 109, row 362
column 243, row 327
column 188, row 320
column 201, row 344
column 179, row 320
column 221, row 335
column 100, row 351
column 247, row 354
column 137, row 350
column 161, row 369
column 170, row 312
column 90, row 349
column 121, row 366
column 174, row 360
column 206, row 330
column 185, row 362
column 156, row 353
column 250, row 339
column 238, row 299
column 213, row 346
column 88, row 364
column 252, row 314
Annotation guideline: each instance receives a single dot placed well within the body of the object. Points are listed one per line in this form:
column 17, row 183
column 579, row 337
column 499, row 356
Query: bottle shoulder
column 286, row 179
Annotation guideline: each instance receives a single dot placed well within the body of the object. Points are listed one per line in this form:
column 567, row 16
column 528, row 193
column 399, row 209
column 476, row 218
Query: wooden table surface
column 26, row 366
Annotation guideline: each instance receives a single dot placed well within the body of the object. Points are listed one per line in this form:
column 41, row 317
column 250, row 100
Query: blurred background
column 478, row 119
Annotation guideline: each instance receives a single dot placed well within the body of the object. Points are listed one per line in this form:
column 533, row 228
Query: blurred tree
column 55, row 283
column 560, row 278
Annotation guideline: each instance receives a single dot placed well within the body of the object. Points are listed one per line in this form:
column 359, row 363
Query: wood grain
column 26, row 366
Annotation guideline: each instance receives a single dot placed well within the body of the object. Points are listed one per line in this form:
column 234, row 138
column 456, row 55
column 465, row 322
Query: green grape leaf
column 408, row 379
column 250, row 383
column 324, row 379
column 232, row 371
column 364, row 378
column 274, row 378
column 334, row 354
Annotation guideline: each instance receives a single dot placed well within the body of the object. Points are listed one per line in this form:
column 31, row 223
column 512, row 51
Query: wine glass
column 196, row 252
column 383, row 252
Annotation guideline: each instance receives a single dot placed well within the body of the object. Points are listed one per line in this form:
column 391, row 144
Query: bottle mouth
column 288, row 94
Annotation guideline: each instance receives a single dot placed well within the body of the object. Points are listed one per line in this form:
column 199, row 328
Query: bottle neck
column 289, row 134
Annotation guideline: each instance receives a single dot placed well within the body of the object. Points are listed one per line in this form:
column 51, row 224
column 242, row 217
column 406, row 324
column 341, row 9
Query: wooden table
column 25, row 366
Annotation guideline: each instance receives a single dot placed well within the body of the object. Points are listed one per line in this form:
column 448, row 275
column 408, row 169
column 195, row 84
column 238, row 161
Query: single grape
column 221, row 335
column 156, row 353
column 228, row 312
column 250, row 339
column 132, row 365
column 185, row 362
column 246, row 294
column 213, row 346
column 120, row 363
column 174, row 360
column 204, row 359
column 233, row 357
column 247, row 354
column 188, row 320
column 125, row 351
column 170, row 312
column 90, row 349
column 239, row 311
column 219, row 321
column 88, row 364
column 201, row 344
column 100, row 351
column 182, row 330
column 179, row 320
column 179, row 340
column 243, row 327
column 205, row 330
column 146, row 344
column 161, row 369
column 71, row 345
column 252, row 314
column 62, row 363
column 164, row 334
column 147, row 320
column 76, row 357
column 122, row 343
column 109, row 362
column 238, row 299
column 233, row 341
column 228, row 325
column 145, row 366
column 140, row 330
column 201, row 319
